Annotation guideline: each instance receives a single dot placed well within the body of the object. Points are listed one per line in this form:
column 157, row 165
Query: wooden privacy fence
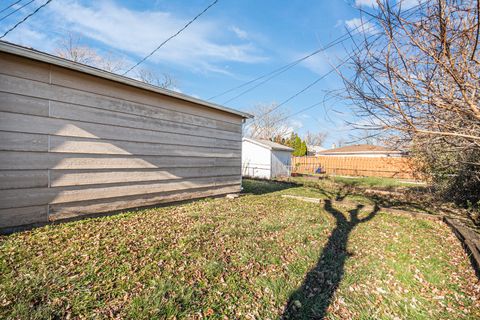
column 391, row 167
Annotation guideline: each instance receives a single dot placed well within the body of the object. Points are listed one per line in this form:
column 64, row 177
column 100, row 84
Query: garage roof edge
column 33, row 54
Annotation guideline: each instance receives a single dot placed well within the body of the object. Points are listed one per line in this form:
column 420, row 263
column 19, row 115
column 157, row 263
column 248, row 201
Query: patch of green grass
column 332, row 182
column 259, row 256
column 374, row 182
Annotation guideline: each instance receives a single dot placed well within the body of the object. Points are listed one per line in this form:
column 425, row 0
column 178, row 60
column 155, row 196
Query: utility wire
column 16, row 10
column 171, row 37
column 317, row 80
column 274, row 73
column 25, row 19
column 284, row 68
column 333, row 68
column 300, row 92
column 10, row 6
column 277, row 72
column 304, row 109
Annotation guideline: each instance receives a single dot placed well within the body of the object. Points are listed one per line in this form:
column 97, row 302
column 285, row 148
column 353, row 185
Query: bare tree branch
column 268, row 123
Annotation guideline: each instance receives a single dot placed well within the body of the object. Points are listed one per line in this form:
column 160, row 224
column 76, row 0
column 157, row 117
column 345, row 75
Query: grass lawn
column 376, row 182
column 260, row 256
column 366, row 182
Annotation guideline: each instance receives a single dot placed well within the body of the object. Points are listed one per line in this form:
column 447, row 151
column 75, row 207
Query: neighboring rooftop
column 61, row 62
column 360, row 148
column 315, row 148
column 268, row 144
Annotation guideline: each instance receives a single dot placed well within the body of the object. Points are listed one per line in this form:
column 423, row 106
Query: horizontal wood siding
column 74, row 144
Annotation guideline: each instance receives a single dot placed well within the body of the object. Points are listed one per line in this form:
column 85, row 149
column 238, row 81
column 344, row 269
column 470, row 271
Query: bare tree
column 71, row 48
column 420, row 75
column 418, row 81
column 315, row 138
column 164, row 80
column 268, row 123
column 367, row 136
column 339, row 142
column 110, row 64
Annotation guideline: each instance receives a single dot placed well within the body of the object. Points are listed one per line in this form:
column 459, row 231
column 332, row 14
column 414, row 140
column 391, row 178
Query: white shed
column 265, row 159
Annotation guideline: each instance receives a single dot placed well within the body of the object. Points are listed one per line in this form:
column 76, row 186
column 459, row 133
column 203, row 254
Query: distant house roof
column 268, row 144
column 61, row 62
column 360, row 149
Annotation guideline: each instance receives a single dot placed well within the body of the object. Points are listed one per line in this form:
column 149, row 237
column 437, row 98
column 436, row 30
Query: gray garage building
column 77, row 140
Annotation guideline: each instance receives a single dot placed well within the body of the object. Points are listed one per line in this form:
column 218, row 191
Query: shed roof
column 268, row 144
column 360, row 148
column 61, row 62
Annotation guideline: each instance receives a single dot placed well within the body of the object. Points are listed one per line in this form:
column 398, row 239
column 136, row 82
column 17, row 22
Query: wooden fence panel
column 391, row 167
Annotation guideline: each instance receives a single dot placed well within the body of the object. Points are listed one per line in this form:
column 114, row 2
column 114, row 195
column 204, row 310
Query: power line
column 298, row 112
column 10, row 6
column 343, row 62
column 25, row 19
column 274, row 73
column 317, row 103
column 305, row 109
column 282, row 70
column 171, row 37
column 299, row 92
column 16, row 10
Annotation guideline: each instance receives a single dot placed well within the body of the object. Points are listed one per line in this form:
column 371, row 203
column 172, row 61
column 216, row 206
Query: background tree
column 339, row 142
column 417, row 80
column 163, row 80
column 268, row 123
column 71, row 48
column 315, row 138
column 299, row 146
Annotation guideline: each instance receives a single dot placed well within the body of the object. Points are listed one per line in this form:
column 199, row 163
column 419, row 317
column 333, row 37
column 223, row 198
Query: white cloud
column 201, row 47
column 406, row 4
column 241, row 34
column 318, row 63
column 295, row 124
column 339, row 23
column 365, row 3
column 360, row 26
column 30, row 38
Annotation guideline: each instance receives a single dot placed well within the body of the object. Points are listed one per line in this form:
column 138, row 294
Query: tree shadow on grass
column 312, row 299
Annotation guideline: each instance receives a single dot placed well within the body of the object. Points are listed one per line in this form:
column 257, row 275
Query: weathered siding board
column 11, row 160
column 73, row 144
column 29, row 69
column 23, row 216
column 37, row 91
column 40, row 196
column 104, row 146
column 62, row 211
column 23, row 104
column 89, row 83
column 15, row 141
column 59, row 178
column 13, row 179
column 52, row 126
column 92, row 115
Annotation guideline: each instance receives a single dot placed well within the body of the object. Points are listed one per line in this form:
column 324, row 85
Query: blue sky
column 233, row 42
